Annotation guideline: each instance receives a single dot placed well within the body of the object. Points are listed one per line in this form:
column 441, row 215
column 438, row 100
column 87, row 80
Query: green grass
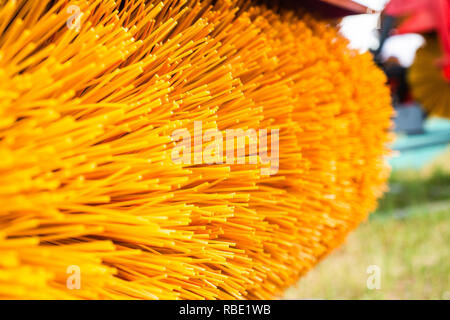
column 412, row 253
column 410, row 189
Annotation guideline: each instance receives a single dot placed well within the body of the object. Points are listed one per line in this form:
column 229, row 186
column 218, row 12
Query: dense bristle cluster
column 86, row 175
column 427, row 80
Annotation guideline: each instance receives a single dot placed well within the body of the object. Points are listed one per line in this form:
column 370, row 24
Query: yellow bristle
column 86, row 174
column 427, row 80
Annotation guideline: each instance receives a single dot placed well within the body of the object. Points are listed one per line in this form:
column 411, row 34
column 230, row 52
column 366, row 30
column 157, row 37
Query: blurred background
column 408, row 238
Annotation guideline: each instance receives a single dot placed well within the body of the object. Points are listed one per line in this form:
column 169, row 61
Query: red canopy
column 326, row 8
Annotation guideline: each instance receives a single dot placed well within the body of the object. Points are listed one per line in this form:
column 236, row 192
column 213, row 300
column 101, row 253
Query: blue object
column 415, row 151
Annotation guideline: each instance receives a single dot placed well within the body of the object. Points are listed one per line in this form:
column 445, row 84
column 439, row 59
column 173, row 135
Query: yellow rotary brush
column 90, row 94
column 427, row 80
